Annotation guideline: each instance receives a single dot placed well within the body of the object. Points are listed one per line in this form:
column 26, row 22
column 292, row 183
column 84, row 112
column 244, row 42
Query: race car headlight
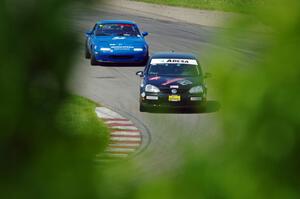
column 138, row 49
column 196, row 89
column 151, row 89
column 106, row 49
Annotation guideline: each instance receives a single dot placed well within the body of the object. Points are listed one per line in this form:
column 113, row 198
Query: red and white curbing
column 125, row 138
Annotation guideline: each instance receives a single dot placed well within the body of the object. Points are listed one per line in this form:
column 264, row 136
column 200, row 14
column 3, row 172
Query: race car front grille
column 121, row 56
column 168, row 91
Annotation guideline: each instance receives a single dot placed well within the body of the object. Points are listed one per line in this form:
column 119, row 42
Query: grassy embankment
column 78, row 117
column 222, row 5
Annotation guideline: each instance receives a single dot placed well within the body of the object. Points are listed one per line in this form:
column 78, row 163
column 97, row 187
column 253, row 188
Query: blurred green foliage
column 77, row 116
column 39, row 157
column 257, row 157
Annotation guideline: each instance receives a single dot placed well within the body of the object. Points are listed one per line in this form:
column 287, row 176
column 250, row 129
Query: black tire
column 94, row 61
column 87, row 52
column 203, row 106
column 142, row 108
column 144, row 63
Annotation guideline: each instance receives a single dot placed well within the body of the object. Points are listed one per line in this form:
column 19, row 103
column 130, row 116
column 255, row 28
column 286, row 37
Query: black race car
column 172, row 80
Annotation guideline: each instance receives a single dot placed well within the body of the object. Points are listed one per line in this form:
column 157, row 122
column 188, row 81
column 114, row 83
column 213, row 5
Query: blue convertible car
column 116, row 41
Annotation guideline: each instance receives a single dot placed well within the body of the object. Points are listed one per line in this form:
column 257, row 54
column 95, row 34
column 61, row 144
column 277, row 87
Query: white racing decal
column 184, row 82
column 174, row 86
column 118, row 38
column 174, row 61
column 122, row 47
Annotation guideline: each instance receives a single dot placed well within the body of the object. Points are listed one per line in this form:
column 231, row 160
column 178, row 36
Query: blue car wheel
column 87, row 52
column 93, row 60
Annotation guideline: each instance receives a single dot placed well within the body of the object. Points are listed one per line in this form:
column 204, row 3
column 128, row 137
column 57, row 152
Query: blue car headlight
column 106, row 49
column 102, row 49
column 138, row 49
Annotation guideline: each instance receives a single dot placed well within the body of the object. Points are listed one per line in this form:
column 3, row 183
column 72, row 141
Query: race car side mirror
column 207, row 75
column 145, row 34
column 140, row 73
column 89, row 33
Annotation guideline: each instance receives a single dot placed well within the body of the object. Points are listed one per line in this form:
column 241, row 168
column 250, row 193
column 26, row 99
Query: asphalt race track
column 117, row 87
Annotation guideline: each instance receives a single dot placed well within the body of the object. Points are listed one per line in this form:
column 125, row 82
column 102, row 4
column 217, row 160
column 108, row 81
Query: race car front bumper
column 121, row 57
column 163, row 100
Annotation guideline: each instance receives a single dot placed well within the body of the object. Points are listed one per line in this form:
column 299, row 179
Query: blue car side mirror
column 145, row 34
column 89, row 33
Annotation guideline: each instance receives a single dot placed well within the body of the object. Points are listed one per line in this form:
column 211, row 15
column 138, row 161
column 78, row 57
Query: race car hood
column 110, row 41
column 168, row 81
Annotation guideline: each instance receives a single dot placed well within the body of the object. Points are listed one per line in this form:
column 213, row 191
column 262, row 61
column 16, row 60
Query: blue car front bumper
column 121, row 57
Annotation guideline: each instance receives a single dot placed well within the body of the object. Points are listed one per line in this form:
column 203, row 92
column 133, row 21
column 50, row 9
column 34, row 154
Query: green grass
column 222, row 5
column 77, row 117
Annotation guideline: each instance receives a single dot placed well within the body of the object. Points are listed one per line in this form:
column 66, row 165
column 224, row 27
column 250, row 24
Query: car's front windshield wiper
column 102, row 34
column 126, row 35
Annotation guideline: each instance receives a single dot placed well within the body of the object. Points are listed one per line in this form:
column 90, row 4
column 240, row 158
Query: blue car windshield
column 174, row 70
column 125, row 30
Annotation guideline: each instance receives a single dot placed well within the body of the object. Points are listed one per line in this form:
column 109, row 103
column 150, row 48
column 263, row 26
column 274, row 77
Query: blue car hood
column 120, row 41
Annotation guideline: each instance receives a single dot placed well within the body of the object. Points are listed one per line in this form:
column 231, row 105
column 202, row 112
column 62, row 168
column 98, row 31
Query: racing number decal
column 174, row 61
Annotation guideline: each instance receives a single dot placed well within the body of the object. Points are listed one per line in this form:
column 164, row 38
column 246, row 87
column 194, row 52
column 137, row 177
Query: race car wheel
column 203, row 106
column 93, row 61
column 144, row 63
column 87, row 53
column 142, row 108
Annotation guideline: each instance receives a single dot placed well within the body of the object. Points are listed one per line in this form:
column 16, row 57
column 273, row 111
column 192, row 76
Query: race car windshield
column 125, row 30
column 174, row 70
